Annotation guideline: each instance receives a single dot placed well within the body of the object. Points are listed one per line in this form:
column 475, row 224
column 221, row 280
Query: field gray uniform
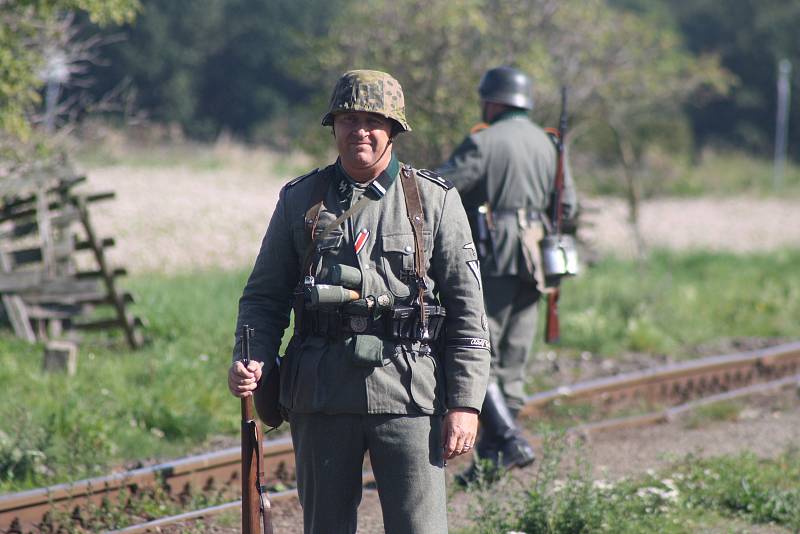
column 509, row 165
column 351, row 393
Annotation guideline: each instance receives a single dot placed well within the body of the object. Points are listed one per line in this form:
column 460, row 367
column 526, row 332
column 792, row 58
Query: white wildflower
column 602, row 485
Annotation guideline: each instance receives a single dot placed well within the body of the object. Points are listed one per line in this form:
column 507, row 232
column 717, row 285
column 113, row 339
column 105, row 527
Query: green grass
column 157, row 402
column 717, row 173
column 694, row 495
column 677, row 300
column 170, row 398
column 717, row 411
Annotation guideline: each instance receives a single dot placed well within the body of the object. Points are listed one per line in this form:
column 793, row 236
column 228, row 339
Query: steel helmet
column 507, row 85
column 372, row 91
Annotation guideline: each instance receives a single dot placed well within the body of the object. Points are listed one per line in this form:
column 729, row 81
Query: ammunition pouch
column 399, row 323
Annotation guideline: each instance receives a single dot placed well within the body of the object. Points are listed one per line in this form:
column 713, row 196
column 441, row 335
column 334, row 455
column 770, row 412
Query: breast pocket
column 398, row 263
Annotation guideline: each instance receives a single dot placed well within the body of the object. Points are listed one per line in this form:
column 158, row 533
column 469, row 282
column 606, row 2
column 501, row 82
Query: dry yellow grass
column 208, row 207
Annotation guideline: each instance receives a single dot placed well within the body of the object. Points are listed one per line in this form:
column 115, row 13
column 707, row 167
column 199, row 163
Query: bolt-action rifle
column 255, row 501
column 552, row 328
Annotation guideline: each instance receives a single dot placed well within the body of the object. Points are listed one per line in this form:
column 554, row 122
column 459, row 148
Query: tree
column 27, row 28
column 750, row 40
column 219, row 64
column 634, row 76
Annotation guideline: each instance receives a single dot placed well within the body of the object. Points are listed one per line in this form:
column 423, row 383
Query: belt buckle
column 358, row 324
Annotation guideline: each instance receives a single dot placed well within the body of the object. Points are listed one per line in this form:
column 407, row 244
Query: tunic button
column 366, row 267
column 408, row 248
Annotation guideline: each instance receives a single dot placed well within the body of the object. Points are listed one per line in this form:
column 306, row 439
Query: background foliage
column 642, row 73
column 264, row 70
column 267, row 62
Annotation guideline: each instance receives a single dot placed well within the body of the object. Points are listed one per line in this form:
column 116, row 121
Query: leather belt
column 401, row 323
column 530, row 215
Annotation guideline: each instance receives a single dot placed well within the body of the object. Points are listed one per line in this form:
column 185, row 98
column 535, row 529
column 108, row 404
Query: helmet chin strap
column 381, row 156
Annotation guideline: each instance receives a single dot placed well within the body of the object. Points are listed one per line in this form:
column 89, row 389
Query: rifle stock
column 256, row 508
column 552, row 331
column 552, row 327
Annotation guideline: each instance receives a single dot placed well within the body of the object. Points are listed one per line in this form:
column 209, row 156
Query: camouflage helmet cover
column 372, row 91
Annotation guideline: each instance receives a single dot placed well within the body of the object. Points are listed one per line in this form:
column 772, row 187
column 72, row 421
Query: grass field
column 715, row 173
column 170, row 398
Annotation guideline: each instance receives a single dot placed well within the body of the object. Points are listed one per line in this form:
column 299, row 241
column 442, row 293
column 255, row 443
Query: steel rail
column 673, row 413
column 670, row 384
column 157, row 524
column 676, row 383
column 30, row 509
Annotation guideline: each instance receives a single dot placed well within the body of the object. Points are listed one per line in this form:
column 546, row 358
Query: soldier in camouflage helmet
column 505, row 173
column 392, row 358
column 371, row 91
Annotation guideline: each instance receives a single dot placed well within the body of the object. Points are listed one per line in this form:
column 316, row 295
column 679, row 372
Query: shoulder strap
column 417, row 219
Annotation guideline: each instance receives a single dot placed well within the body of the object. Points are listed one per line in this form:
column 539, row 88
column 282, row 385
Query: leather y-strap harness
column 415, row 216
column 417, row 219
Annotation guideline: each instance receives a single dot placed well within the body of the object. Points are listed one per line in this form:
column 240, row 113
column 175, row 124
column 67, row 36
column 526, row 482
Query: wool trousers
column 512, row 311
column 405, row 453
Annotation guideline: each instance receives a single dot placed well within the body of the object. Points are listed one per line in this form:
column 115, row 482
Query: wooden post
column 61, row 356
column 15, row 307
column 126, row 321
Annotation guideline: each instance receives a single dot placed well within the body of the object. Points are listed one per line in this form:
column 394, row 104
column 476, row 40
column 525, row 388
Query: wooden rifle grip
column 251, row 501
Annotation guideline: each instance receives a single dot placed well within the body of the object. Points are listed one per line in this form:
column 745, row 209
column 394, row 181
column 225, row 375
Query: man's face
column 361, row 138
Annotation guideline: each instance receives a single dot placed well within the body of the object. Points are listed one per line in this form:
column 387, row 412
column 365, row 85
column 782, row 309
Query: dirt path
column 181, row 218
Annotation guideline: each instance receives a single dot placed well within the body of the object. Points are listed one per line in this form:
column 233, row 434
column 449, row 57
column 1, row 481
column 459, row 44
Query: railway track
column 675, row 388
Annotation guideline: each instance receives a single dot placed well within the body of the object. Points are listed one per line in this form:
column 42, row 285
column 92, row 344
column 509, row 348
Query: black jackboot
column 501, row 441
column 513, row 450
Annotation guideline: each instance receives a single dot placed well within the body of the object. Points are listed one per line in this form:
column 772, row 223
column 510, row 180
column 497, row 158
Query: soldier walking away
column 390, row 352
column 505, row 173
